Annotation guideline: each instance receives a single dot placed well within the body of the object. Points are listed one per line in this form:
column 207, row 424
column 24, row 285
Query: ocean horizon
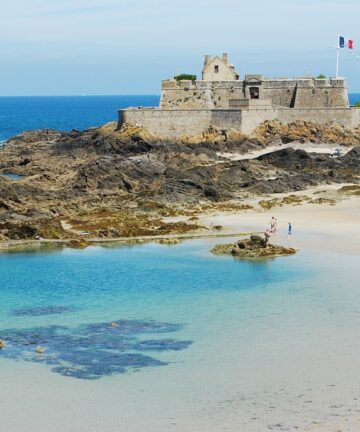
column 23, row 113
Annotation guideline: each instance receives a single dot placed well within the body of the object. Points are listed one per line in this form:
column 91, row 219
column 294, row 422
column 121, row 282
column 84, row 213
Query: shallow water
column 189, row 340
column 12, row 176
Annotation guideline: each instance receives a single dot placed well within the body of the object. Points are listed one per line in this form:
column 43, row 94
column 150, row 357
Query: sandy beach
column 320, row 227
column 221, row 394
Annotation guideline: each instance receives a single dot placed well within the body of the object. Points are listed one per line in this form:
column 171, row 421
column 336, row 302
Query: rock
column 80, row 173
column 303, row 131
column 212, row 193
column 77, row 244
column 222, row 249
column 254, row 247
column 235, row 136
column 169, row 241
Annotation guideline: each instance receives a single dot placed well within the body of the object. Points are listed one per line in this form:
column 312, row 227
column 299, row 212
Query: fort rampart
column 286, row 93
column 176, row 123
column 189, row 107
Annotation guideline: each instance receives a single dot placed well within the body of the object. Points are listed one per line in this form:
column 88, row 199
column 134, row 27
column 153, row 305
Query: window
column 216, row 69
column 254, row 92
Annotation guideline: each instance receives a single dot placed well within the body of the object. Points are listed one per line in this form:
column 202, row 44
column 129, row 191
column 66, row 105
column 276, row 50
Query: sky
column 70, row 47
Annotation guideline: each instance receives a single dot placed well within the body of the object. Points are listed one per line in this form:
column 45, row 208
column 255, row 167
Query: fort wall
column 220, row 99
column 287, row 93
column 174, row 124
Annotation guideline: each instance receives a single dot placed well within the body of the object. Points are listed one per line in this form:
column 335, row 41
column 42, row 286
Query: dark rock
column 95, row 350
column 82, row 171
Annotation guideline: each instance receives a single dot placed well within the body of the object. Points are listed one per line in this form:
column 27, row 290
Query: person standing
column 289, row 229
column 272, row 224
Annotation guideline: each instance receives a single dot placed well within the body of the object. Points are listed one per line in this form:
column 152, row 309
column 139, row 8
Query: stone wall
column 280, row 92
column 287, row 93
column 199, row 94
column 174, row 124
column 171, row 124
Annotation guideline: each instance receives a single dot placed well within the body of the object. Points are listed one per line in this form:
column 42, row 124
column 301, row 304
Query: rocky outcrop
column 271, row 131
column 254, row 247
column 129, row 176
column 303, row 131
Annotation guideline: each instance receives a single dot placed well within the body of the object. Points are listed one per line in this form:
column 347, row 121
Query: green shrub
column 357, row 104
column 321, row 76
column 183, row 76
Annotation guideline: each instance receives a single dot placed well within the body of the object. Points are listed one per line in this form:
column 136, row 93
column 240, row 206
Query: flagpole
column 337, row 56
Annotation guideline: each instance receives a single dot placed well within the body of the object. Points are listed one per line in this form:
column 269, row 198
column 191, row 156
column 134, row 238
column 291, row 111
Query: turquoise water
column 216, row 343
column 132, row 294
column 134, row 298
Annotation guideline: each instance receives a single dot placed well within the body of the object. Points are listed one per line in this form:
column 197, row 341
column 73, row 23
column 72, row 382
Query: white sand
column 315, row 226
column 308, row 147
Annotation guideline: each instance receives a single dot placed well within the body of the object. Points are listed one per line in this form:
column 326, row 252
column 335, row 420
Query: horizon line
column 84, row 95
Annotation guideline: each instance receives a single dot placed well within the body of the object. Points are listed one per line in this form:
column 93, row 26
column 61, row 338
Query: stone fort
column 222, row 100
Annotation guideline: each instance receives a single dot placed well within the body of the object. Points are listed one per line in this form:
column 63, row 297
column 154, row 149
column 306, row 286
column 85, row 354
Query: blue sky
column 55, row 47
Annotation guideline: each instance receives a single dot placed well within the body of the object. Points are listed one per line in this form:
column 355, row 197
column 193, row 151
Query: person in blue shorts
column 289, row 229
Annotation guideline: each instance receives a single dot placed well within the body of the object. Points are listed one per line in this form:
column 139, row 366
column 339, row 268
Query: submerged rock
column 254, row 247
column 92, row 351
column 41, row 310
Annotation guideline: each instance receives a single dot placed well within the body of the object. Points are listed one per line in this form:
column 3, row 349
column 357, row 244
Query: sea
column 159, row 338
column 19, row 114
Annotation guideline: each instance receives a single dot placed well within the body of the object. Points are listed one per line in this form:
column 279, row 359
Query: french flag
column 346, row 43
